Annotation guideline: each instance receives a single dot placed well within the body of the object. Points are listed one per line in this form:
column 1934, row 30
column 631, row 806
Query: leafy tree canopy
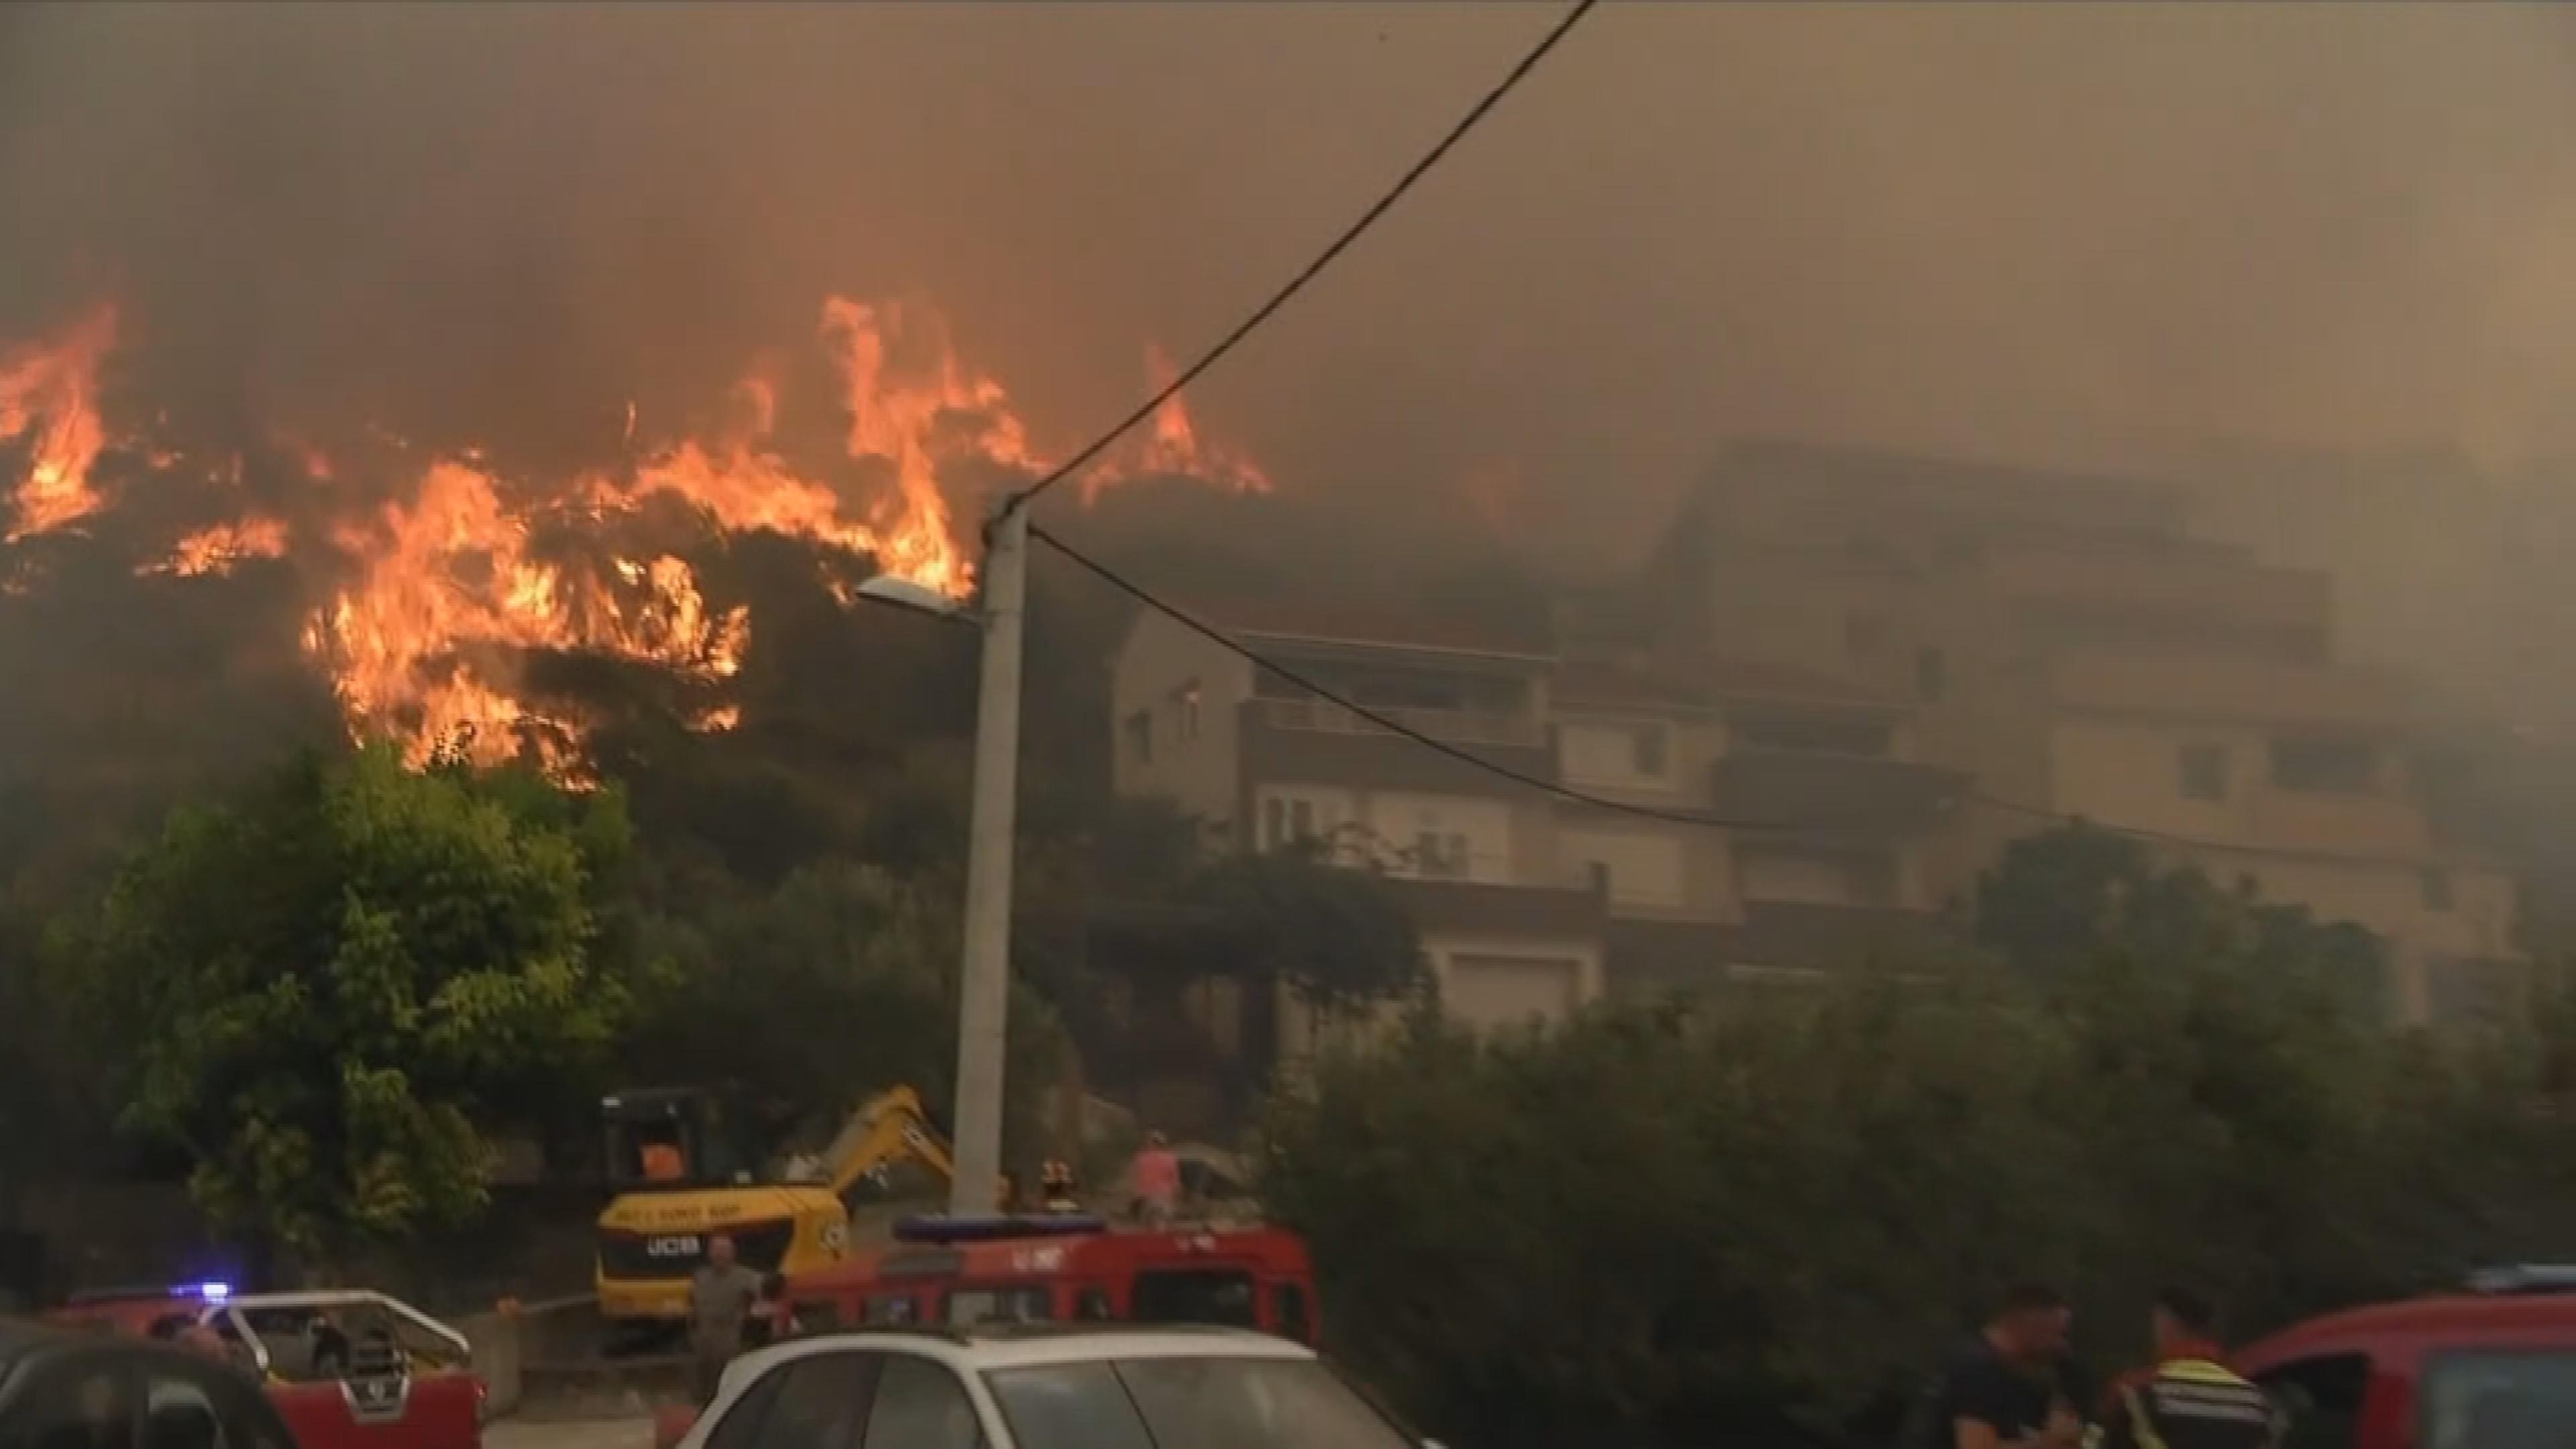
column 332, row 985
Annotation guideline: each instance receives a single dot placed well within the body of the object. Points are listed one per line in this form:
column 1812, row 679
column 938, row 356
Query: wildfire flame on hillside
column 49, row 391
column 448, row 588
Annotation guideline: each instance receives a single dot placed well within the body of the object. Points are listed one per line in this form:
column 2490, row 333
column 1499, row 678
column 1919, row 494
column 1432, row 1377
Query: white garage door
column 1509, row 991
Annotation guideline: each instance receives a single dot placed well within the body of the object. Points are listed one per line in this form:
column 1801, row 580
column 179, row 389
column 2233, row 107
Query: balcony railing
column 1455, row 726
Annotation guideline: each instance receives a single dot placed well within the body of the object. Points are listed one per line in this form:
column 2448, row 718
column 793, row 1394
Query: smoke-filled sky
column 2081, row 232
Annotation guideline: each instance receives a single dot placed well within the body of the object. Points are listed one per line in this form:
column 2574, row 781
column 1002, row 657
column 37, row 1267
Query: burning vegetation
column 436, row 573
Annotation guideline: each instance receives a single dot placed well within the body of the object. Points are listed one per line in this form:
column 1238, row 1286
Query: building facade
column 2071, row 647
column 1530, row 903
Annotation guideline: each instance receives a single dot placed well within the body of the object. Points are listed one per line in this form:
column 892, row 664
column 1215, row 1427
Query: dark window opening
column 2320, row 1400
column 2204, row 772
column 883, row 1309
column 1288, row 1312
column 1022, row 1303
column 1140, row 737
column 1809, row 734
column 1648, row 754
column 1931, row 674
column 1195, row 1295
column 2437, row 890
column 2337, row 767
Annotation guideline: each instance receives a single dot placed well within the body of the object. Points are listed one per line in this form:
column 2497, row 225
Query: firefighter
column 2188, row 1400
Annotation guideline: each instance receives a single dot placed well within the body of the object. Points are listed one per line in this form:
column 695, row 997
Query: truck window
column 2321, row 1399
column 1288, row 1312
column 2498, row 1400
column 1195, row 1295
column 889, row 1309
column 813, row 1315
column 1019, row 1303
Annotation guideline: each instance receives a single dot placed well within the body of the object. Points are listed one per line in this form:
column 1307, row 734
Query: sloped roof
column 1345, row 622
column 1706, row 683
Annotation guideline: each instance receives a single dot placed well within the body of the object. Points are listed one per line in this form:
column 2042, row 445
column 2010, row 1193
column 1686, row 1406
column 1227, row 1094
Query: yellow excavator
column 685, row 1170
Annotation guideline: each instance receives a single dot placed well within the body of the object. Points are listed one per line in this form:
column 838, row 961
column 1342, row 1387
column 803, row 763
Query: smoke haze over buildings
column 2105, row 235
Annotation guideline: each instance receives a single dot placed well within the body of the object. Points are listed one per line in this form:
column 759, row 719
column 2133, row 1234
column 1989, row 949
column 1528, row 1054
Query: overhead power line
column 1434, row 743
column 1313, row 269
column 1568, row 793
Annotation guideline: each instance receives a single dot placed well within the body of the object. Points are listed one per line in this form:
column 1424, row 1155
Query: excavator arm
column 889, row 1128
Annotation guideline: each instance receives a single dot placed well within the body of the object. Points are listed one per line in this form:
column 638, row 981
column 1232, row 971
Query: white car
column 1040, row 1387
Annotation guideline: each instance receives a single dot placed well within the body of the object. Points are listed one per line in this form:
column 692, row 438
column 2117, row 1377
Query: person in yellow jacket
column 2189, row 1399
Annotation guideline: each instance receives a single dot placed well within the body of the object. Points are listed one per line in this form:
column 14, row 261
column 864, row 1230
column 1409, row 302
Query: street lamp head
column 903, row 593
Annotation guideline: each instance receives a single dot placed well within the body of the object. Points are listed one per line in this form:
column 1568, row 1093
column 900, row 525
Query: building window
column 2204, row 771
column 1440, row 855
column 1185, row 712
column 2437, row 889
column 1931, row 674
column 1140, row 737
column 1812, row 734
column 1648, row 752
column 1286, row 820
column 1597, row 874
column 2334, row 767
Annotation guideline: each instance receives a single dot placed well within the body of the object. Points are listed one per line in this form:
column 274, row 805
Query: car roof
column 1034, row 1344
column 2418, row 1323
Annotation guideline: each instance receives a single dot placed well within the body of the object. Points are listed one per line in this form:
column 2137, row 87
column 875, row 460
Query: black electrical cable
column 1567, row 793
column 1313, row 269
column 1397, row 727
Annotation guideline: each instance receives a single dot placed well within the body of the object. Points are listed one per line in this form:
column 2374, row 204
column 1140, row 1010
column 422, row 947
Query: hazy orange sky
column 2091, row 232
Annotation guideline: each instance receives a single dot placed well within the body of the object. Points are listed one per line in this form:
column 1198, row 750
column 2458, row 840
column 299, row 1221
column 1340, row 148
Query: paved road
column 570, row 1434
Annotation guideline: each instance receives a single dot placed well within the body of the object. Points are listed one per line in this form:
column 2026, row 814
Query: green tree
column 834, row 985
column 333, row 985
column 1700, row 1221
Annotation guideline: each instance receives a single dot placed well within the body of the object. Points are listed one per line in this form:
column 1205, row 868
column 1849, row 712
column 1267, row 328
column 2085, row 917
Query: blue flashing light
column 994, row 1227
column 214, row 1292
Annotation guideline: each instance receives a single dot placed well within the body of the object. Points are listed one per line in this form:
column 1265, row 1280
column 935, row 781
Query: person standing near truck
column 2189, row 1399
column 2010, row 1389
column 722, row 1295
column 1156, row 1174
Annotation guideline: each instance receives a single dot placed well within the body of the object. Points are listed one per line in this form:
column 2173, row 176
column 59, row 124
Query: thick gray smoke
column 2091, row 233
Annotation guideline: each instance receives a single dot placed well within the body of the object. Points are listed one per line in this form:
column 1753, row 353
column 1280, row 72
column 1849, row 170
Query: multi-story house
column 2070, row 646
column 1265, row 765
column 1709, row 821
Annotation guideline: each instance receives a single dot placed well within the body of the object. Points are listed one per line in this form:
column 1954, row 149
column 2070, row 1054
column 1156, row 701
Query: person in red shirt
column 1157, row 1174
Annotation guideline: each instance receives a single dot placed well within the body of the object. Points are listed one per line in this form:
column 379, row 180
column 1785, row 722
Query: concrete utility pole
column 984, row 983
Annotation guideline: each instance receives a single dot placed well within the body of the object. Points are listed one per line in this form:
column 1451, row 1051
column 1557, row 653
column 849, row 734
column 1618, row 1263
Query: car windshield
column 1185, row 1403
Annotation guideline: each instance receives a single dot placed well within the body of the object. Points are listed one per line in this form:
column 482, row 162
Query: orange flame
column 425, row 646
column 217, row 550
column 1173, row 447
column 50, row 389
column 452, row 590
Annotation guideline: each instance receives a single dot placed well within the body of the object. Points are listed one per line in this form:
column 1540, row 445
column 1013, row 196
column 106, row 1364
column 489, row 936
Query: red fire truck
column 2490, row 1368
column 1064, row 1269
column 347, row 1369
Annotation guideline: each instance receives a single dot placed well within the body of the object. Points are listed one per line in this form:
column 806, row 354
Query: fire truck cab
column 2493, row 1367
column 1064, row 1269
